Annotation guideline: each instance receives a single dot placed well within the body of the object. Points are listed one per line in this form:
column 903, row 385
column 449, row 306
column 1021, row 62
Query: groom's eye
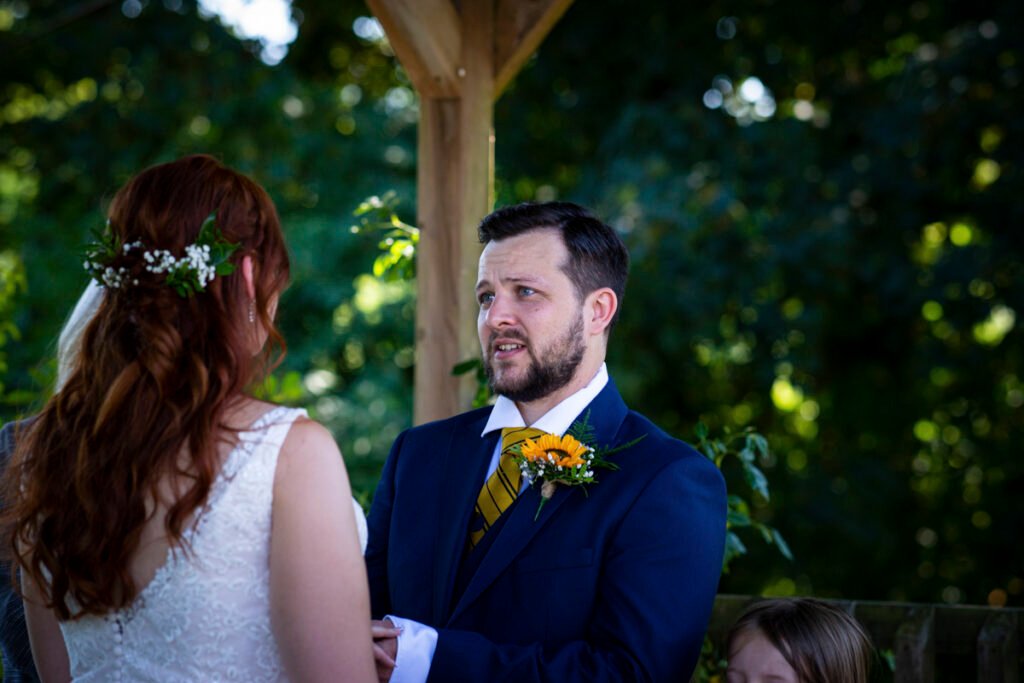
column 485, row 298
column 526, row 291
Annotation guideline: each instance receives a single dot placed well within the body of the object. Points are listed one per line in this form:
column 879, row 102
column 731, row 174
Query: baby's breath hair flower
column 203, row 260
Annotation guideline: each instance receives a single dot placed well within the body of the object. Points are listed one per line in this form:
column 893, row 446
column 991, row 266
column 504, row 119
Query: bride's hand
column 385, row 648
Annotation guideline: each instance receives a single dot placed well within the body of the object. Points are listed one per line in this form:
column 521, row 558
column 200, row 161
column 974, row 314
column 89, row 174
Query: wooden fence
column 929, row 643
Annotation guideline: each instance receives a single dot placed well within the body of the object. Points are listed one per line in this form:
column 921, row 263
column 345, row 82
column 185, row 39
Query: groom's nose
column 501, row 313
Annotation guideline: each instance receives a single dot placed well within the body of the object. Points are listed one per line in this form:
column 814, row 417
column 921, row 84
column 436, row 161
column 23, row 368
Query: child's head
column 797, row 640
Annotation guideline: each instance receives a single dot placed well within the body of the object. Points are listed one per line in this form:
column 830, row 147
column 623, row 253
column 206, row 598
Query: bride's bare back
column 270, row 588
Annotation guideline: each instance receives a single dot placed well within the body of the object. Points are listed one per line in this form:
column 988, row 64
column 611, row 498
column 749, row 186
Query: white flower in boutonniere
column 567, row 460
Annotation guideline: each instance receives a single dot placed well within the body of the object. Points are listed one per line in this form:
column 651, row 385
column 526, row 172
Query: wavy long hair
column 151, row 380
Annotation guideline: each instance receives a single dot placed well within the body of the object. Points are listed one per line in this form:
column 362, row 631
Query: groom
column 614, row 583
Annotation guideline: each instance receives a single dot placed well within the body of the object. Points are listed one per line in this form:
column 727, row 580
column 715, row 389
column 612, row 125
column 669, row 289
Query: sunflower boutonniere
column 566, row 460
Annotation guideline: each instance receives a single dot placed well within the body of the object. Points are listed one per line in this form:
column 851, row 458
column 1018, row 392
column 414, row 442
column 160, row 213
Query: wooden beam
column 454, row 187
column 520, row 27
column 427, row 39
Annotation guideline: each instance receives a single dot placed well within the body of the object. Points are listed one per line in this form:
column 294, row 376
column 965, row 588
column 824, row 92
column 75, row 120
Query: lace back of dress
column 206, row 613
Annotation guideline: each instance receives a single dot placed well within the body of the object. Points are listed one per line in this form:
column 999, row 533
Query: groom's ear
column 599, row 309
column 247, row 275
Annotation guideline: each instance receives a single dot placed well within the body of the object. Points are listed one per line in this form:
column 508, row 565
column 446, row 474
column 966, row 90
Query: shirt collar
column 555, row 421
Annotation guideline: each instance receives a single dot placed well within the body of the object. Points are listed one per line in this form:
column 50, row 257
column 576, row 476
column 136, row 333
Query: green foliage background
column 840, row 270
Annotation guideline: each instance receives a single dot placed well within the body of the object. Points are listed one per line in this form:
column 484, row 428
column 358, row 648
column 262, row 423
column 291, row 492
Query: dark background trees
column 819, row 200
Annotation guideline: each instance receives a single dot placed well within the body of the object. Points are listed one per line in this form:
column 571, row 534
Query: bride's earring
column 252, row 311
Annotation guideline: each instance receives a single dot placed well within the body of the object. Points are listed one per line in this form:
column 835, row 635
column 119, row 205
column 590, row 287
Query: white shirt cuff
column 416, row 645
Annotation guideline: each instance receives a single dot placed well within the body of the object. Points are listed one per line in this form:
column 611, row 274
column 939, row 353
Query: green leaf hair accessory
column 101, row 253
column 204, row 259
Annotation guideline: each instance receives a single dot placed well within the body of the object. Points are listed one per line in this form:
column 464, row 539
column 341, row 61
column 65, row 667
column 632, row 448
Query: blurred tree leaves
column 795, row 268
column 820, row 201
column 12, row 282
column 93, row 92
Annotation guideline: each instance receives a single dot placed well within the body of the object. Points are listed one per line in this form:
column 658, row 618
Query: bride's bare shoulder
column 308, row 433
column 309, row 450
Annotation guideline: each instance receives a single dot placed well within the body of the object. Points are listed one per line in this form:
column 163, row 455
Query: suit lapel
column 465, row 464
column 607, row 411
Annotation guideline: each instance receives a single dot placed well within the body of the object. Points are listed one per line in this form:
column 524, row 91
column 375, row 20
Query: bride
column 169, row 527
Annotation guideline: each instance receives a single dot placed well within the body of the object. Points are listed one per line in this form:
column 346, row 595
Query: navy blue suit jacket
column 615, row 584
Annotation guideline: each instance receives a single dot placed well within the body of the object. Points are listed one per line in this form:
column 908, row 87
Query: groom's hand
column 385, row 648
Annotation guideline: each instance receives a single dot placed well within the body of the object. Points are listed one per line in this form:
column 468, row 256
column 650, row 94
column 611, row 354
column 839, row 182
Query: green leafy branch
column 748, row 448
column 397, row 258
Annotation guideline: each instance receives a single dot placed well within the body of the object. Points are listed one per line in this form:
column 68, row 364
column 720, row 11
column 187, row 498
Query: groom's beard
column 545, row 375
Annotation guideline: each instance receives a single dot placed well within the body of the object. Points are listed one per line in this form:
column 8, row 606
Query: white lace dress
column 205, row 616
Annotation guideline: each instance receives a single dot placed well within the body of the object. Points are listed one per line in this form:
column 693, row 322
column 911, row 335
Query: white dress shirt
column 417, row 642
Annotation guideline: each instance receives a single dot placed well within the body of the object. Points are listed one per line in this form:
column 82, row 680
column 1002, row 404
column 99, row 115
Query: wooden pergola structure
column 460, row 56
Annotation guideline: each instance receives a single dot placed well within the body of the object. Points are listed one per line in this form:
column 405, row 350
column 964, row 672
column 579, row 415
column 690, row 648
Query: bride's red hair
column 152, row 379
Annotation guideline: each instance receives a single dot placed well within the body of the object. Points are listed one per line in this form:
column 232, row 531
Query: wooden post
column 454, row 184
column 458, row 61
column 441, row 306
column 999, row 650
column 915, row 647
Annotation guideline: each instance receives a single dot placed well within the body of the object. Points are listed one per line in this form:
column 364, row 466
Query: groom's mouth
column 506, row 349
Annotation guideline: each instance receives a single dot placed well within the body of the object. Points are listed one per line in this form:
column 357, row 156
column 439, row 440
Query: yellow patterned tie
column 502, row 487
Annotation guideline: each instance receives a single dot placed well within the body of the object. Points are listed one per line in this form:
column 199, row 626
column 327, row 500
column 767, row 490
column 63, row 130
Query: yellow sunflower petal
column 532, row 451
column 550, row 442
column 562, row 450
column 573, row 447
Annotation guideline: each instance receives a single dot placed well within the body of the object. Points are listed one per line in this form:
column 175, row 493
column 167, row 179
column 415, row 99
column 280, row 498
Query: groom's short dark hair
column 597, row 255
